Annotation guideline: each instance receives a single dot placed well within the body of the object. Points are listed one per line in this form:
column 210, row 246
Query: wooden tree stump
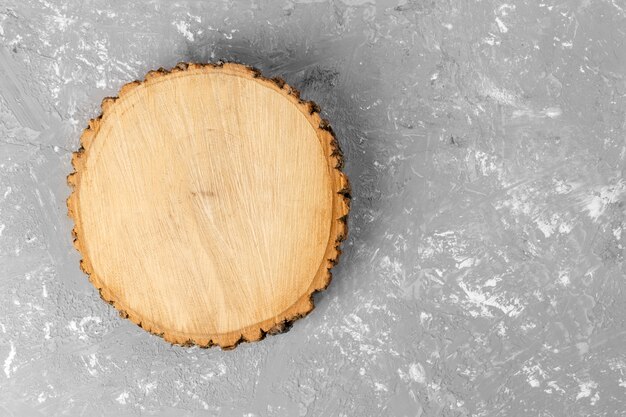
column 209, row 204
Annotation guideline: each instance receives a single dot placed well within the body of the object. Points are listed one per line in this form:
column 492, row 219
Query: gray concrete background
column 484, row 273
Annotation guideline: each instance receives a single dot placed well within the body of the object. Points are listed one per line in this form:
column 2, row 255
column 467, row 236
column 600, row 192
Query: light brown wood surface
column 209, row 204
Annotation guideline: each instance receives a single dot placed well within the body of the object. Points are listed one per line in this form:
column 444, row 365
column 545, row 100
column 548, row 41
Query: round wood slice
column 209, row 204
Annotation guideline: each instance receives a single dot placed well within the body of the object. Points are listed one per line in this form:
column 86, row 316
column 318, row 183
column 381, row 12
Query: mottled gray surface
column 484, row 274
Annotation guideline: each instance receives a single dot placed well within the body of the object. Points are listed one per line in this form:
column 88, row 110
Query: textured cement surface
column 484, row 274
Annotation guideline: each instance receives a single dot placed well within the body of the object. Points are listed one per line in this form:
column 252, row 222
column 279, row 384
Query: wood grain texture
column 209, row 204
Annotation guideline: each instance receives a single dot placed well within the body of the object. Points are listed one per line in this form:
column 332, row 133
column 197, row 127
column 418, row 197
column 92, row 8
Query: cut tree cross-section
column 209, row 203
